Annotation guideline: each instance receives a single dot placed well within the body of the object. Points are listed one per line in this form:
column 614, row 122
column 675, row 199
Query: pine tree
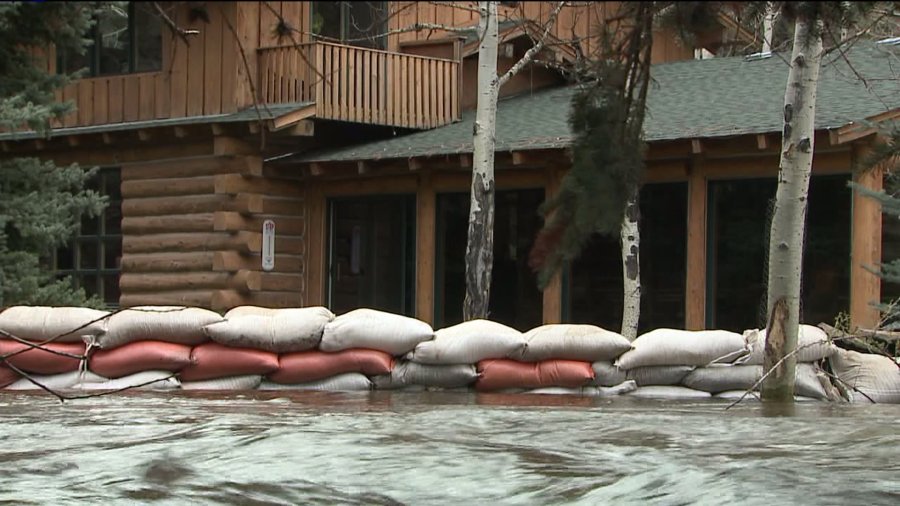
column 41, row 205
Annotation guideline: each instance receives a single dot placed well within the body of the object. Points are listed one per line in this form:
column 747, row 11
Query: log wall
column 192, row 233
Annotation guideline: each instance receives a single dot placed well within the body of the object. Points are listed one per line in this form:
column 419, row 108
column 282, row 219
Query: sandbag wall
column 253, row 347
column 192, row 233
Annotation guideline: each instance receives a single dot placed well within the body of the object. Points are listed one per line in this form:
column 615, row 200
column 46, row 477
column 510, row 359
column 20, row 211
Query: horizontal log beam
column 168, row 262
column 200, row 222
column 193, row 167
column 232, row 261
column 195, row 298
column 186, row 204
column 232, row 222
column 169, row 187
column 177, row 281
column 256, row 281
column 236, row 183
column 251, row 203
column 181, row 242
column 223, row 300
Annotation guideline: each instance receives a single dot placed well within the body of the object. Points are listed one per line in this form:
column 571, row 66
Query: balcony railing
column 362, row 85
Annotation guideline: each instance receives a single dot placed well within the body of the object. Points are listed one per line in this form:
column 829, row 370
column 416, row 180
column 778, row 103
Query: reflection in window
column 355, row 23
column 739, row 216
column 93, row 258
column 125, row 38
column 594, row 282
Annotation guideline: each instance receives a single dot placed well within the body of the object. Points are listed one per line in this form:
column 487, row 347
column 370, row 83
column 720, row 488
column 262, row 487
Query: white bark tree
column 789, row 217
column 480, row 239
column 631, row 269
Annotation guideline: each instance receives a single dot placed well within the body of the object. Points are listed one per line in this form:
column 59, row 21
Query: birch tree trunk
column 480, row 243
column 789, row 217
column 631, row 269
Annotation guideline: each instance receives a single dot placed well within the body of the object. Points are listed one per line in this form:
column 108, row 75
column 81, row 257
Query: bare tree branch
column 535, row 49
column 181, row 32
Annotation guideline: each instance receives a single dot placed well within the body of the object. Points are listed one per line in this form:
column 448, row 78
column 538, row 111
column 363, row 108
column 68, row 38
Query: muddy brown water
column 440, row 448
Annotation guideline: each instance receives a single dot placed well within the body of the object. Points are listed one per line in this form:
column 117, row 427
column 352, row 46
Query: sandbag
column 586, row 343
column 213, row 360
column 812, row 345
column 721, row 378
column 683, row 347
column 7, row 376
column 144, row 380
column 249, row 310
column 497, row 374
column 588, row 391
column 62, row 324
column 876, row 376
column 307, row 366
column 606, row 374
column 342, row 382
column 407, row 373
column 376, row 330
column 660, row 375
column 63, row 381
column 140, row 356
column 469, row 342
column 281, row 331
column 172, row 324
column 244, row 382
column 668, row 392
column 43, row 361
column 807, row 382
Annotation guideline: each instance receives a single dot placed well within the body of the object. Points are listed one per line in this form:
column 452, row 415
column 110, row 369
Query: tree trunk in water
column 480, row 244
column 789, row 217
column 631, row 269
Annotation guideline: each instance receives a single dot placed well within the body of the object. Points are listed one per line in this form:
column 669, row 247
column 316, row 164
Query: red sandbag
column 7, row 376
column 497, row 374
column 213, row 361
column 140, row 356
column 306, row 366
column 43, row 361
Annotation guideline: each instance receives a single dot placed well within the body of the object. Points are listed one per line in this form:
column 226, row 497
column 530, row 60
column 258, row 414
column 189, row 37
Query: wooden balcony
column 361, row 85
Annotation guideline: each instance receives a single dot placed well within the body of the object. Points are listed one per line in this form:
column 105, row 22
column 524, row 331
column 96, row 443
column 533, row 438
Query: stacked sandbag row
column 670, row 363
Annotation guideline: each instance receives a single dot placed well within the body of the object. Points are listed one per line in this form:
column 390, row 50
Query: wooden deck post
column 695, row 272
column 425, row 244
column 865, row 248
column 552, row 300
column 315, row 248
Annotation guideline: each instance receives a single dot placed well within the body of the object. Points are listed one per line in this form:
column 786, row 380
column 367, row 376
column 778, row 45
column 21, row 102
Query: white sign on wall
column 268, row 245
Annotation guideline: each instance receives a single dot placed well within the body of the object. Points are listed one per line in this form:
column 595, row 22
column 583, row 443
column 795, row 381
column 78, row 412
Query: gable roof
column 718, row 97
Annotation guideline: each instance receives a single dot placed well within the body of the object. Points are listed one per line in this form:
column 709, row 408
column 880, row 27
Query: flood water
column 440, row 448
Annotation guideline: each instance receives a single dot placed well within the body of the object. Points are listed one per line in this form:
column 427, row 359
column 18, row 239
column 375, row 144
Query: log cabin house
column 358, row 147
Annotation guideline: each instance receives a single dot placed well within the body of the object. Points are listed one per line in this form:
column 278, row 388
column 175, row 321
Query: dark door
column 372, row 254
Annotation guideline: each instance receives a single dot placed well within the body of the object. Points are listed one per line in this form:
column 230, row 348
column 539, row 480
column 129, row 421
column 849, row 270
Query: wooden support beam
column 865, row 247
column 232, row 261
column 40, row 144
column 180, row 132
column 226, row 221
column 144, row 135
column 254, row 127
column 256, row 281
column 175, row 281
column 233, row 184
column 519, row 158
column 415, row 163
column 73, row 140
column 425, row 244
column 218, row 129
column 552, row 295
column 762, row 142
column 233, row 146
column 193, row 298
column 304, row 128
column 5, row 146
column 316, row 169
column 194, row 166
column 696, row 147
column 202, row 222
column 362, row 167
column 292, row 117
column 315, row 273
column 465, row 160
column 107, row 138
column 695, row 273
column 168, row 262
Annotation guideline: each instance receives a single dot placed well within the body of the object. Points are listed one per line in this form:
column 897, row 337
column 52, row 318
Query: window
column 356, row 23
column 93, row 258
column 126, row 38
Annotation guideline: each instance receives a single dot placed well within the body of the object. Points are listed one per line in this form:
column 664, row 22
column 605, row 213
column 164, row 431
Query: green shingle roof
column 718, row 97
column 250, row 114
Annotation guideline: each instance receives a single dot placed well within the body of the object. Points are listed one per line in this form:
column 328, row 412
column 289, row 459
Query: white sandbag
column 683, row 347
column 586, row 343
column 733, row 395
column 658, row 375
column 376, row 330
column 173, row 324
column 243, row 382
column 812, row 345
column 40, row 323
column 808, row 381
column 351, row 381
column 468, row 343
column 144, row 380
column 281, row 331
column 606, row 374
column 876, row 376
column 720, row 378
column 407, row 373
column 64, row 381
column 668, row 392
column 588, row 391
column 249, row 310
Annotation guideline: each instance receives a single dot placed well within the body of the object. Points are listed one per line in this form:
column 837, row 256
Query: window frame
column 378, row 42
